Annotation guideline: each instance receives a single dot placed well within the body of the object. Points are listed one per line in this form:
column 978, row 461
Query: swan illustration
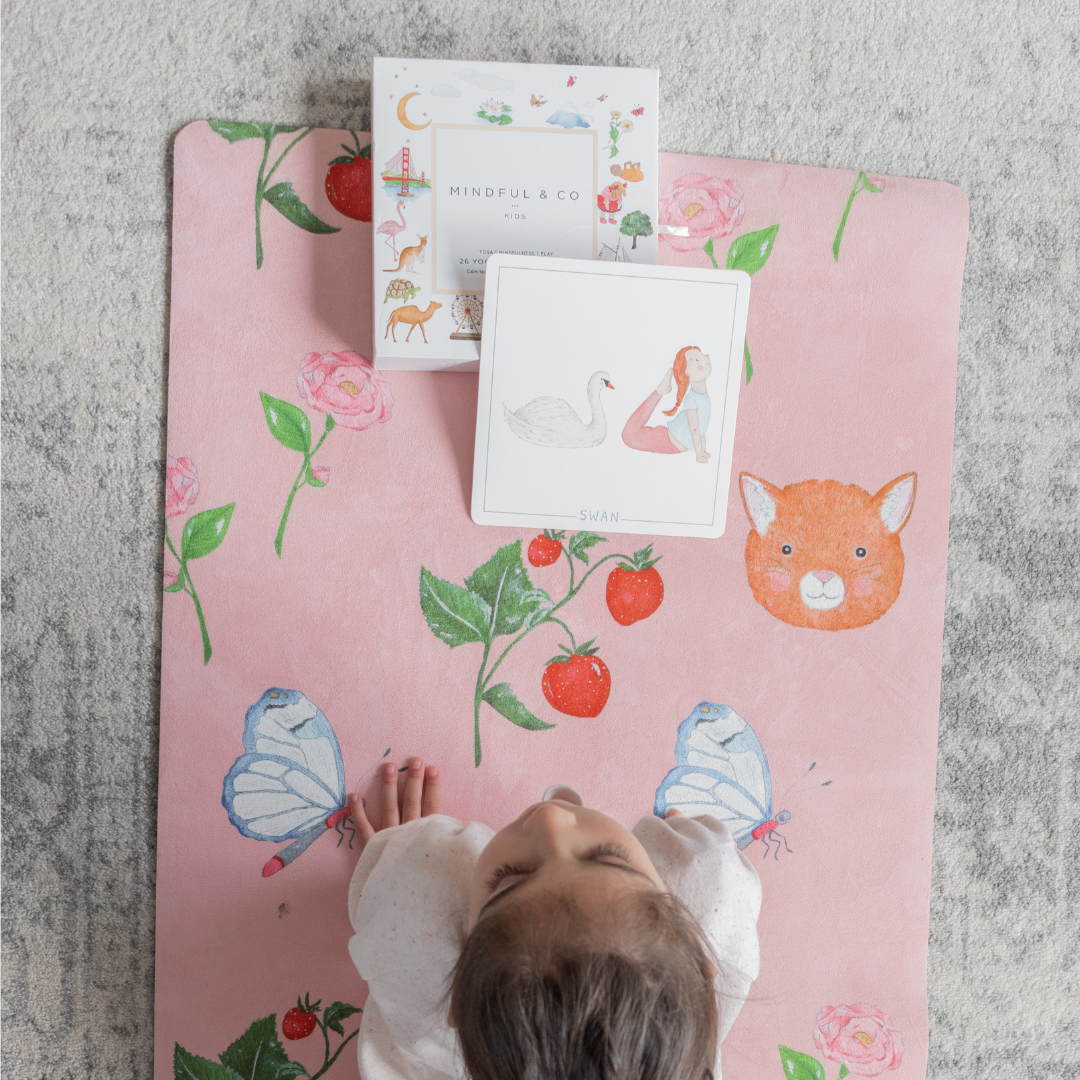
column 390, row 228
column 550, row 421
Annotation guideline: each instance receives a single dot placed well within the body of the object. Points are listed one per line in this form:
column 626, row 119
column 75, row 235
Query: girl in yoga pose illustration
column 687, row 431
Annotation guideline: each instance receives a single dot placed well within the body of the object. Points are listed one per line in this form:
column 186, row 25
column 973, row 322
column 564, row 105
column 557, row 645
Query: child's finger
column 432, row 791
column 673, row 813
column 359, row 819
column 388, row 795
column 414, row 789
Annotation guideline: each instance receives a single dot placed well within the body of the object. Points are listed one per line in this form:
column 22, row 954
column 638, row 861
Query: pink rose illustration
column 199, row 535
column 696, row 209
column 181, row 485
column 345, row 385
column 860, row 1036
column 321, row 473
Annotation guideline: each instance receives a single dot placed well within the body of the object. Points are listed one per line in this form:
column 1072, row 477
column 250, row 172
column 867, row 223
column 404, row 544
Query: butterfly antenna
column 813, row 765
column 371, row 772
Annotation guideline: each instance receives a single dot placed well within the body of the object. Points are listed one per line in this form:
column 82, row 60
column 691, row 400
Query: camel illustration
column 410, row 313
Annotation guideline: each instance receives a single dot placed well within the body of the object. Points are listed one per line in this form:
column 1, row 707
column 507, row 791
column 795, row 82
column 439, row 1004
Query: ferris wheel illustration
column 468, row 314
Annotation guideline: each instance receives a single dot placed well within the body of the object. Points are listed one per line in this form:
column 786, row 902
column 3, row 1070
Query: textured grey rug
column 984, row 95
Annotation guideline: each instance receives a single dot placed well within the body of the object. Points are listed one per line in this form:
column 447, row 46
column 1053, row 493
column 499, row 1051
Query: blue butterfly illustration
column 290, row 783
column 723, row 771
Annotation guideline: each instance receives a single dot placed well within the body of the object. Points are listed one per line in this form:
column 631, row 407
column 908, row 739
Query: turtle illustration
column 401, row 289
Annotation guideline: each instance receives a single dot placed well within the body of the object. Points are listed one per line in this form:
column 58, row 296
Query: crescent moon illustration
column 401, row 113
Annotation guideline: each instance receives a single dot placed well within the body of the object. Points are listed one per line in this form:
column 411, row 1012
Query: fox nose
column 823, row 576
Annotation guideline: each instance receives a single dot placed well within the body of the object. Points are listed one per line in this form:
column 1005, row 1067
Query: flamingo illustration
column 390, row 229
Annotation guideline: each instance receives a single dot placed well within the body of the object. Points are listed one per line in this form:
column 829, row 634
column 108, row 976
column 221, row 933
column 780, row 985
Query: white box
column 470, row 159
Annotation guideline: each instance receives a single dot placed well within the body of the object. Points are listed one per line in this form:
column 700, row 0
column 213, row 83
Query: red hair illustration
column 682, row 380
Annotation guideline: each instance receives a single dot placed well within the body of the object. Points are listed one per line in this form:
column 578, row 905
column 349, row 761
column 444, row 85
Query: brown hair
column 682, row 380
column 535, row 996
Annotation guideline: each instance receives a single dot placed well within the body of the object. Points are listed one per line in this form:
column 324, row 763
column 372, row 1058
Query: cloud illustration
column 484, row 82
column 445, row 90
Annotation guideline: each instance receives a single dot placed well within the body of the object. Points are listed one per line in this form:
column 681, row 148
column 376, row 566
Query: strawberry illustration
column 579, row 683
column 546, row 548
column 301, row 1021
column 634, row 591
column 348, row 183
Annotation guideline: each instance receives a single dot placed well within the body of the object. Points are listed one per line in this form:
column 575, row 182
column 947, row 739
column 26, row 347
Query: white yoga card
column 608, row 396
column 469, row 159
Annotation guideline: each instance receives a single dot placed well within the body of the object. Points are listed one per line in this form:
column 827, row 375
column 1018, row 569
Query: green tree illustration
column 636, row 224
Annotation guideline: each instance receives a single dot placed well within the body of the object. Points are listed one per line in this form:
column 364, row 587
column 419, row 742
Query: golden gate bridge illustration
column 399, row 170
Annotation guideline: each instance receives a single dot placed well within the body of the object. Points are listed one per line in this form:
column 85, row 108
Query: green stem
column 860, row 181
column 260, row 188
column 746, row 361
column 298, row 483
column 168, row 541
column 330, row 425
column 303, row 134
column 570, row 632
column 345, row 1042
column 547, row 618
column 198, row 611
column 478, row 696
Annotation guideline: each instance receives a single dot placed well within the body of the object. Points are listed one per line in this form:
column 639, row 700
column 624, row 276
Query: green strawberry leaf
column 751, row 251
column 235, row 131
column 192, row 1067
column 287, row 203
column 454, row 615
column 343, row 160
column 642, row 560
column 579, row 544
column 258, row 1055
column 365, row 151
column 555, row 534
column 336, row 1012
column 505, row 586
column 800, row 1066
column 844, row 1070
column 288, row 424
column 558, row 660
column 501, row 698
column 746, row 361
column 204, row 532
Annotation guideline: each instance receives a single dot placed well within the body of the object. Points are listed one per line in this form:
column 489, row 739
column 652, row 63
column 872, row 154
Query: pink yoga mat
column 852, row 338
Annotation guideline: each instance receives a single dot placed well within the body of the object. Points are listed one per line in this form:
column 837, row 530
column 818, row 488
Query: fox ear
column 895, row 500
column 759, row 499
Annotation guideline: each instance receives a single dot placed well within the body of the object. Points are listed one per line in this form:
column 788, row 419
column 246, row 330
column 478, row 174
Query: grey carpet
column 984, row 95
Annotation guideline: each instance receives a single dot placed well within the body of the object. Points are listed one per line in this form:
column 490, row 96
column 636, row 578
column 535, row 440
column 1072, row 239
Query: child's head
column 691, row 365
column 579, row 962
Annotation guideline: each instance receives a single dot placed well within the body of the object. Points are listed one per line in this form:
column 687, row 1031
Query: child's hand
column 420, row 798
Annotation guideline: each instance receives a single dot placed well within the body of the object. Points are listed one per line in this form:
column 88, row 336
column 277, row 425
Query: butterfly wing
column 722, row 771
column 292, row 777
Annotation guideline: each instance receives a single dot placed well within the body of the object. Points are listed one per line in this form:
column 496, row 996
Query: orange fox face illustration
column 826, row 555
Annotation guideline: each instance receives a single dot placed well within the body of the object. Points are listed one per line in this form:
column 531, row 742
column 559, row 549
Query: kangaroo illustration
column 410, row 313
column 410, row 256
